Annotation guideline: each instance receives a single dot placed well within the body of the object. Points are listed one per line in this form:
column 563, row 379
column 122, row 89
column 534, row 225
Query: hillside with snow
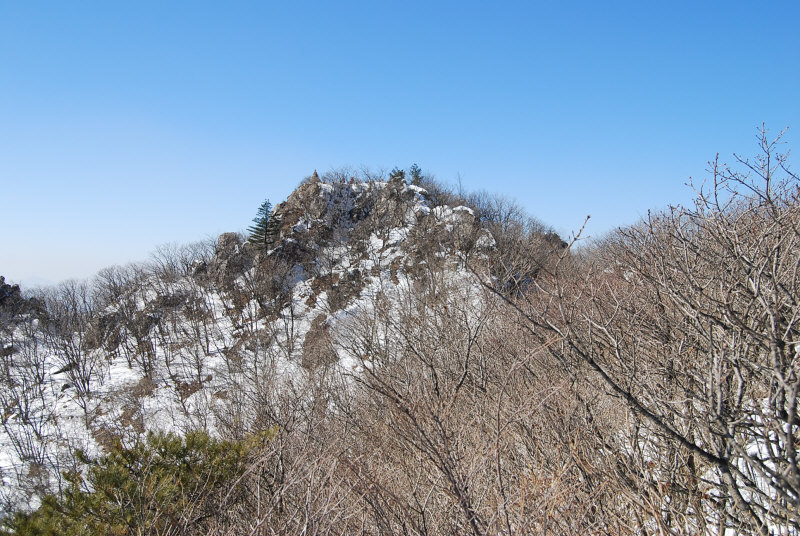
column 191, row 340
column 396, row 358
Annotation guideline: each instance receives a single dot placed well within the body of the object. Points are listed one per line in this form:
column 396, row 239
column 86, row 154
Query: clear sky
column 125, row 125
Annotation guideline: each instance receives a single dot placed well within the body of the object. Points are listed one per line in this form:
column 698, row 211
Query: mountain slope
column 195, row 340
column 398, row 359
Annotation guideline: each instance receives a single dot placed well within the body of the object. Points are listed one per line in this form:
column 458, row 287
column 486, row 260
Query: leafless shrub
column 690, row 319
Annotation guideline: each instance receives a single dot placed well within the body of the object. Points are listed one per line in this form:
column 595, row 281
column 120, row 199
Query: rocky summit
column 384, row 355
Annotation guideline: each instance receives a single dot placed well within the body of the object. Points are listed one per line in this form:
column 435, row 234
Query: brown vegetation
column 646, row 384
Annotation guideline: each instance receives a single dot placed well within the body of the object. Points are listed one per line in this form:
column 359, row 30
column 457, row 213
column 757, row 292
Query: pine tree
column 416, row 174
column 166, row 484
column 273, row 230
column 397, row 174
column 260, row 230
column 397, row 179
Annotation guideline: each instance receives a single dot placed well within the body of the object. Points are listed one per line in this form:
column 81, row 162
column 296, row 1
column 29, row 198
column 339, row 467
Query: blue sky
column 128, row 125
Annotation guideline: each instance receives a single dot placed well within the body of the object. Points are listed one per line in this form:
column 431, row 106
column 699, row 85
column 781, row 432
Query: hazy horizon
column 127, row 127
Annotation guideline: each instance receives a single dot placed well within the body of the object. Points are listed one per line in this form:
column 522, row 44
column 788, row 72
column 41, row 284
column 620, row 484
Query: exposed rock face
column 228, row 245
column 182, row 347
column 232, row 257
column 12, row 302
column 8, row 292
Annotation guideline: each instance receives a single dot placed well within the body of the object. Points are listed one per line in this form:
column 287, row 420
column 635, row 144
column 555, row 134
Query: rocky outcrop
column 232, row 257
column 12, row 303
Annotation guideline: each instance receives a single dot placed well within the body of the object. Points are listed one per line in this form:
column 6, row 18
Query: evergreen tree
column 260, row 232
column 397, row 174
column 164, row 485
column 272, row 230
column 416, row 174
column 397, row 179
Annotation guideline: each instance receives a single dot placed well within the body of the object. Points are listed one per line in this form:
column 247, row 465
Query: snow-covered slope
column 186, row 342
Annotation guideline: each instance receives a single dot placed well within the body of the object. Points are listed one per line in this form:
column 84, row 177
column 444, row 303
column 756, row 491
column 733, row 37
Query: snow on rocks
column 177, row 360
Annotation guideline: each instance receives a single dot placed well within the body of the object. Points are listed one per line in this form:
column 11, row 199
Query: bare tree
column 690, row 318
column 70, row 307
